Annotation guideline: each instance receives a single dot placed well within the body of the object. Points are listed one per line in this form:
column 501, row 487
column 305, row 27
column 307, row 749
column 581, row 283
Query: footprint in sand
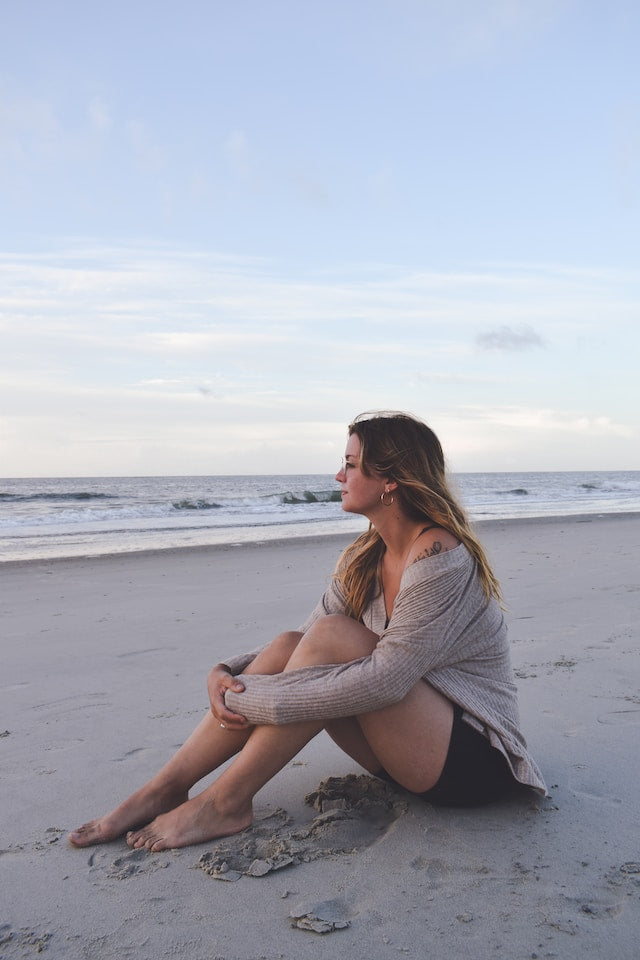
column 22, row 942
column 568, row 914
column 353, row 812
column 60, row 708
column 138, row 861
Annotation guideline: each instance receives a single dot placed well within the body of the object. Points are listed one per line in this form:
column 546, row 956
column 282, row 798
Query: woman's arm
column 430, row 616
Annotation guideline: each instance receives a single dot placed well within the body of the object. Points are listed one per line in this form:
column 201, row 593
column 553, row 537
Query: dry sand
column 103, row 667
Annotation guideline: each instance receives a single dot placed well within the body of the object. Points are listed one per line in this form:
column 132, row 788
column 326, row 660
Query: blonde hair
column 406, row 450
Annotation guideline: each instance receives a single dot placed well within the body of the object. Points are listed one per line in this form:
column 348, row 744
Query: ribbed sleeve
column 241, row 661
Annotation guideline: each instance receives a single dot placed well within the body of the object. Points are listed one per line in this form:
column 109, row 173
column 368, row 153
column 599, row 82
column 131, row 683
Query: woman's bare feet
column 195, row 821
column 139, row 808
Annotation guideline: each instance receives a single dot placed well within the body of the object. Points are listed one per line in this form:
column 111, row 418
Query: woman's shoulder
column 430, row 564
column 432, row 542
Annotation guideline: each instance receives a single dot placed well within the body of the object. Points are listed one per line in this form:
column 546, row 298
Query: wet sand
column 103, row 676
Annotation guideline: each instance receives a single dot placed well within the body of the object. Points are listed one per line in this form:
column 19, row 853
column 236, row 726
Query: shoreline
column 305, row 539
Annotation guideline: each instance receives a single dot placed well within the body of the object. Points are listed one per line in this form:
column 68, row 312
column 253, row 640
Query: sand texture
column 103, row 676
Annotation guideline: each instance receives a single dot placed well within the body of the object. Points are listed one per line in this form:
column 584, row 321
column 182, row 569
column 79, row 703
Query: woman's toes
column 132, row 838
column 140, row 839
column 87, row 834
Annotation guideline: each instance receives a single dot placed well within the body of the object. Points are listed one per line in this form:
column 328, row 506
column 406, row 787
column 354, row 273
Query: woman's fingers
column 226, row 716
column 219, row 681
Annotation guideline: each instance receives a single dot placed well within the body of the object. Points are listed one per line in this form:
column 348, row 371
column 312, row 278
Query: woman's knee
column 275, row 656
column 284, row 645
column 346, row 628
column 334, row 639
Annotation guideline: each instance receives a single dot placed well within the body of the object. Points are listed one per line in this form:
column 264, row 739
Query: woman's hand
column 218, row 682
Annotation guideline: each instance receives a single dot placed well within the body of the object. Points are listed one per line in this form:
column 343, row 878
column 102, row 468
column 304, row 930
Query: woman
column 404, row 662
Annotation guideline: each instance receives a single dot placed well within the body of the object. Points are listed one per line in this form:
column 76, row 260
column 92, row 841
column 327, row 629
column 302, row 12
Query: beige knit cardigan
column 442, row 629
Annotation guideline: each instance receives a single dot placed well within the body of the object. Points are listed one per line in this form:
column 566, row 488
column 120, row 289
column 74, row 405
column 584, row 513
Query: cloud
column 144, row 340
column 510, row 437
column 549, row 420
column 198, row 342
column 172, row 385
column 510, row 339
column 452, row 376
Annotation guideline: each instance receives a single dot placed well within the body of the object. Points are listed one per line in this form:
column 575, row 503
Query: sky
column 228, row 228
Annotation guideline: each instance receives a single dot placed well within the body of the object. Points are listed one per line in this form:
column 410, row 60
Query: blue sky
column 225, row 229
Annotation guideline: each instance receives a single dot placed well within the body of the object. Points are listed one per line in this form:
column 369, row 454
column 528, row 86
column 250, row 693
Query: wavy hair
column 404, row 449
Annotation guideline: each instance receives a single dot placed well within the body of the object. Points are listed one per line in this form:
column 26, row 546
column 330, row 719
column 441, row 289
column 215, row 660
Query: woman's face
column 360, row 493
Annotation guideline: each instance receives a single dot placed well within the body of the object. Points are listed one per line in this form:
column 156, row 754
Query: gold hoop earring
column 386, row 493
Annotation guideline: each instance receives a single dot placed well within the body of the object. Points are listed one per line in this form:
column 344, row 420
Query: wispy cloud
column 551, row 420
column 148, row 339
column 225, row 339
column 509, row 339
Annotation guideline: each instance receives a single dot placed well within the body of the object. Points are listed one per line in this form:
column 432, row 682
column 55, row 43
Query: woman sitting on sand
column 404, row 662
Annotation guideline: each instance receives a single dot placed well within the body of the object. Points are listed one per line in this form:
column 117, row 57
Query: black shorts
column 474, row 773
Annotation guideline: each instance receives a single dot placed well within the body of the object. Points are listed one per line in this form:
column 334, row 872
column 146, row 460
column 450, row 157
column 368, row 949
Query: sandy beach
column 103, row 676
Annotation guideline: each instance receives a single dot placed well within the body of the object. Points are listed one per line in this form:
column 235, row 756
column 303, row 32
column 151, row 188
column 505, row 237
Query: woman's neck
column 398, row 534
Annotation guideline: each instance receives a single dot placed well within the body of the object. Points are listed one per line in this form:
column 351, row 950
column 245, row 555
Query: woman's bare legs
column 226, row 806
column 409, row 739
column 393, row 738
column 206, row 749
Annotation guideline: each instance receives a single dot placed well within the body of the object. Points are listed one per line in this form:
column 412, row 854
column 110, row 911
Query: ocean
column 92, row 516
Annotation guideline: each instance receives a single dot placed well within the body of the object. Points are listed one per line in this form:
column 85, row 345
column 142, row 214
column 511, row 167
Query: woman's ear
column 390, row 484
